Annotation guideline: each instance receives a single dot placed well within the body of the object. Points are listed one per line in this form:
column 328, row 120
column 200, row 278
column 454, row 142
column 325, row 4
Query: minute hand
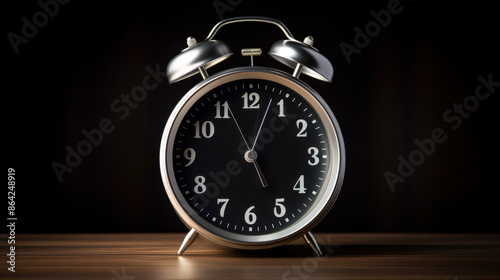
column 261, row 123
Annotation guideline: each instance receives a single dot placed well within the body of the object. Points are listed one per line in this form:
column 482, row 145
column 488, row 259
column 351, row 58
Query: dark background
column 394, row 91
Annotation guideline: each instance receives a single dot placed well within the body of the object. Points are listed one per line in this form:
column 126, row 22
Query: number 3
column 313, row 151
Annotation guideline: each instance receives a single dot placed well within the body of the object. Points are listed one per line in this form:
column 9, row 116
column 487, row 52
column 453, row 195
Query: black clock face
column 250, row 156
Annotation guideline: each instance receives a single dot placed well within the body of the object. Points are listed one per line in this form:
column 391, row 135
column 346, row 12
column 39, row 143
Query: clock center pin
column 250, row 156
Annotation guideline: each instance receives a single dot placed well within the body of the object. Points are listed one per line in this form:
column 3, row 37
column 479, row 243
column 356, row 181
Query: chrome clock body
column 251, row 157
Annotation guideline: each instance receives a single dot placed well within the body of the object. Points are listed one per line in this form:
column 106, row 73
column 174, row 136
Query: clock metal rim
column 321, row 206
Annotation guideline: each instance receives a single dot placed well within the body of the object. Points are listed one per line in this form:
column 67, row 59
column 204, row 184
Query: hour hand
column 251, row 156
column 261, row 175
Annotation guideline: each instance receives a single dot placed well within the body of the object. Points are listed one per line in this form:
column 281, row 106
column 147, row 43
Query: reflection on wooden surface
column 347, row 256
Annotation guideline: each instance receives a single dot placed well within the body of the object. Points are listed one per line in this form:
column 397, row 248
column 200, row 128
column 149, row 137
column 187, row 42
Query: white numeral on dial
column 281, row 105
column 250, row 217
column 190, row 155
column 207, row 129
column 313, row 151
column 279, row 209
column 224, row 202
column 252, row 97
column 299, row 186
column 200, row 185
column 302, row 126
column 218, row 114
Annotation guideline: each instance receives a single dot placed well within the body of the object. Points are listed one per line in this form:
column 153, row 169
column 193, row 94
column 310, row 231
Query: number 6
column 250, row 217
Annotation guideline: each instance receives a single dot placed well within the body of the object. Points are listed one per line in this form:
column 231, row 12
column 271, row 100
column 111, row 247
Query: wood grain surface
column 347, row 256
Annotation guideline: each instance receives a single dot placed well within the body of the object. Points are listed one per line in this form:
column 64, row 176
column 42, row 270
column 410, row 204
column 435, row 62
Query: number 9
column 190, row 155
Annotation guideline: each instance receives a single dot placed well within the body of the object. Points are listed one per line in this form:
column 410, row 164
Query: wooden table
column 347, row 256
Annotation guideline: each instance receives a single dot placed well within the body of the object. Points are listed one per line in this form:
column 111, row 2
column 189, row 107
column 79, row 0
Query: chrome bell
column 303, row 58
column 196, row 58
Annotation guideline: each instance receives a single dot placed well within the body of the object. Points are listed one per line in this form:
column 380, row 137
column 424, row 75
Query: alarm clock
column 251, row 157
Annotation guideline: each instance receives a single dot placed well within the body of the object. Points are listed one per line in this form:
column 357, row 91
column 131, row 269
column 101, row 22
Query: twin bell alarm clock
column 251, row 157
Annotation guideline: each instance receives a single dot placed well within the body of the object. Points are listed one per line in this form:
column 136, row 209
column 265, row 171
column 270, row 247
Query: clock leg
column 311, row 241
column 188, row 240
